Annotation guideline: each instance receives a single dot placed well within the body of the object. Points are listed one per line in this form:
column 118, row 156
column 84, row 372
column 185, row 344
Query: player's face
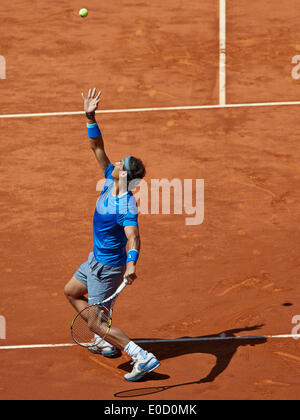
column 118, row 168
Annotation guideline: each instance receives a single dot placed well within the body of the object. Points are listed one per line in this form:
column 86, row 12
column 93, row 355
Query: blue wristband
column 133, row 255
column 93, row 131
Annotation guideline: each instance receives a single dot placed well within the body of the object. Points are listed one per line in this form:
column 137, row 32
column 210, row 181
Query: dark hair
column 137, row 169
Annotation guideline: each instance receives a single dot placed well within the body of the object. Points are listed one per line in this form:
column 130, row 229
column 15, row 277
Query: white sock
column 135, row 351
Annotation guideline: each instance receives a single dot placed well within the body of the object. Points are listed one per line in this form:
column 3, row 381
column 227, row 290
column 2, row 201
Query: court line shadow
column 223, row 350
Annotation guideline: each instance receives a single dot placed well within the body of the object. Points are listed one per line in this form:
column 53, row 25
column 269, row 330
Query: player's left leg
column 75, row 292
column 103, row 281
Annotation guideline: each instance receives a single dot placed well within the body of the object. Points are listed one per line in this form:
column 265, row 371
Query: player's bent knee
column 68, row 291
column 74, row 289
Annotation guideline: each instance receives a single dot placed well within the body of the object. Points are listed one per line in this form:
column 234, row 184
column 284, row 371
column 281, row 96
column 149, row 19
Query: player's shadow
column 223, row 348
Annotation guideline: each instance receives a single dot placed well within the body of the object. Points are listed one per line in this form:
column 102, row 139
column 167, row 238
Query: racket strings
column 92, row 320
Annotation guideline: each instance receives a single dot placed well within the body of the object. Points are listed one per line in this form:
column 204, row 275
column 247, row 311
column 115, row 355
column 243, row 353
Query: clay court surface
column 237, row 272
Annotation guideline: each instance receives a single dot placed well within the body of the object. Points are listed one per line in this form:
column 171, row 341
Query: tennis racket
column 94, row 319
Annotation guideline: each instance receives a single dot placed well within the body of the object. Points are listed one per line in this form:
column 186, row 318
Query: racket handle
column 118, row 291
column 122, row 286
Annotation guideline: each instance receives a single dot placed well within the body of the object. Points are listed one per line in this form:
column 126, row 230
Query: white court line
column 36, row 346
column 222, row 53
column 169, row 108
column 175, row 340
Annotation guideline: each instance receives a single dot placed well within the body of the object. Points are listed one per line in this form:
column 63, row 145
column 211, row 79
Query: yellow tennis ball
column 83, row 12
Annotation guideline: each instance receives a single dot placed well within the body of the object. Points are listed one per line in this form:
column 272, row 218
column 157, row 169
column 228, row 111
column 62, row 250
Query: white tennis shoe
column 141, row 367
column 103, row 347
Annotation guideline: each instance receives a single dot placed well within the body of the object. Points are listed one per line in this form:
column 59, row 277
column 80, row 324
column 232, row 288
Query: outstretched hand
column 92, row 100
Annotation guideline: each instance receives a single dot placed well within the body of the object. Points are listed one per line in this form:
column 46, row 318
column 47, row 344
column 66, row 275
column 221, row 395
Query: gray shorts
column 101, row 280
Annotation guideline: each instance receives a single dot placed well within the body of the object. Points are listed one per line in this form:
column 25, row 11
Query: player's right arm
column 96, row 140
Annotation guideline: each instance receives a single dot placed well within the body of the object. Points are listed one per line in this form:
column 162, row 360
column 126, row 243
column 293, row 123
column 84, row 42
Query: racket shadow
column 223, row 350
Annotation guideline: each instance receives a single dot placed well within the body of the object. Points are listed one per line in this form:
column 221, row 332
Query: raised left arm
column 96, row 140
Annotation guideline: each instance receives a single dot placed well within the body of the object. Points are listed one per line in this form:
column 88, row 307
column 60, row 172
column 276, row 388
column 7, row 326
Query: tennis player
column 115, row 224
